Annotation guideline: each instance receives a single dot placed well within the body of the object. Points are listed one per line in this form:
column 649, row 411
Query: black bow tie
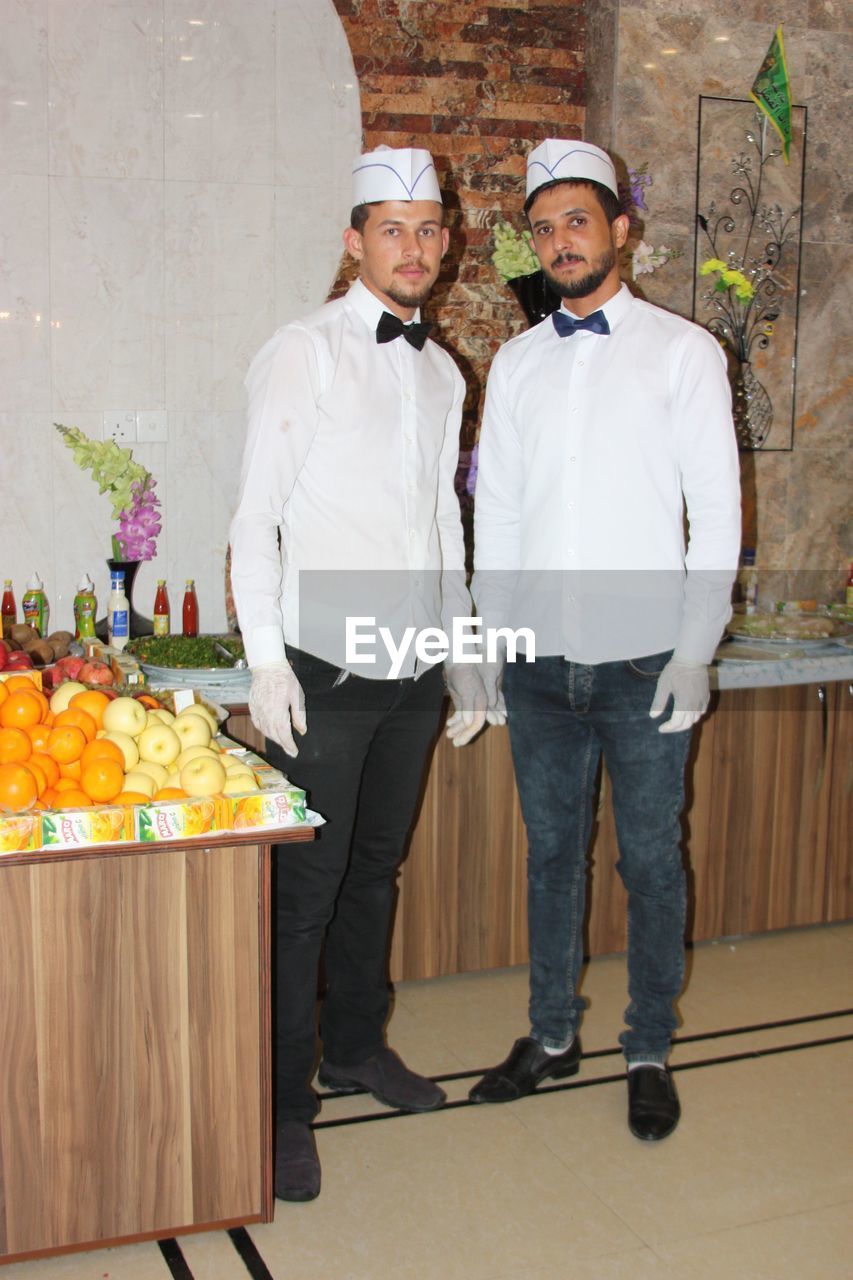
column 566, row 326
column 390, row 327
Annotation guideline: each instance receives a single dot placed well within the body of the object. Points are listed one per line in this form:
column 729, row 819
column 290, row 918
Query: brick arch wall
column 477, row 83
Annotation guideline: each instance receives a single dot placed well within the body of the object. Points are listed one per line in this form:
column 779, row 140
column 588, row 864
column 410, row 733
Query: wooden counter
column 135, row 1088
column 767, row 835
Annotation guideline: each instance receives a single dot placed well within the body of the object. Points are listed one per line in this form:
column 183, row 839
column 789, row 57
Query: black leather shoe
column 297, row 1165
column 653, row 1106
column 526, row 1066
column 387, row 1077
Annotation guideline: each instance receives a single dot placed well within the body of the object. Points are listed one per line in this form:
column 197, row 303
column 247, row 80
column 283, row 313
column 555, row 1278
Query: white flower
column 643, row 259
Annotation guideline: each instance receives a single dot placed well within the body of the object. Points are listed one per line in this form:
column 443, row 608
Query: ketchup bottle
column 161, row 609
column 189, row 615
column 9, row 608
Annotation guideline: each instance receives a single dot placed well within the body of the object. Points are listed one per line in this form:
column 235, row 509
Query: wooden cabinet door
column 839, row 862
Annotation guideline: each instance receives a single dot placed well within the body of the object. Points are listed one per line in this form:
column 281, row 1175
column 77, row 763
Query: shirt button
column 574, row 408
column 572, row 458
column 570, row 506
column 580, row 364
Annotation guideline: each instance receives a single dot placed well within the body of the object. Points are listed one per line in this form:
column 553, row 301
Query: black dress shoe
column 297, row 1165
column 527, row 1065
column 387, row 1077
column 653, row 1106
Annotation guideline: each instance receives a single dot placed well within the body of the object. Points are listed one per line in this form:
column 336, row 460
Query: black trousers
column 361, row 762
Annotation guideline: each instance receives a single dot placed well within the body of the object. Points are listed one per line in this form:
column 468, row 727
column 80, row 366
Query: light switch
column 152, row 426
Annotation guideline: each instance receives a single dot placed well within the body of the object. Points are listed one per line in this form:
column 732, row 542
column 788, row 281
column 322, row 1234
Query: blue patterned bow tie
column 566, row 326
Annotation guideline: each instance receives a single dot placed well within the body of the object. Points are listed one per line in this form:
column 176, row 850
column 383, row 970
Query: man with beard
column 347, row 509
column 602, row 424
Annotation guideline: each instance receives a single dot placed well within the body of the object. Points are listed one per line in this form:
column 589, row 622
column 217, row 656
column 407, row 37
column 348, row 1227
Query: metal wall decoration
column 747, row 270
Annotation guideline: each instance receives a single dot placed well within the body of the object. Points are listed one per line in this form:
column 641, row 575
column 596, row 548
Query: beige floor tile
column 131, row 1262
column 752, row 1144
column 461, row 1195
column 817, row 1245
column 638, row 1264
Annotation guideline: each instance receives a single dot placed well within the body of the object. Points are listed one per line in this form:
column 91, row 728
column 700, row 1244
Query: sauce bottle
column 189, row 613
column 118, row 611
column 85, row 605
column 9, row 608
column 161, row 609
column 35, row 606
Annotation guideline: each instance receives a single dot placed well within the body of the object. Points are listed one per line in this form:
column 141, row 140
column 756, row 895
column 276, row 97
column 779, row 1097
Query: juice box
column 178, row 819
column 19, row 832
column 74, row 828
column 283, row 807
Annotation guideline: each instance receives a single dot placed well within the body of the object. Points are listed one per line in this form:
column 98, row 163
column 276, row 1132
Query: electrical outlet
column 120, row 425
column 152, row 426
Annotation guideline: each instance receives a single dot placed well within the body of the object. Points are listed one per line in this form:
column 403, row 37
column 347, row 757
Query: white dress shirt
column 351, row 453
column 591, row 445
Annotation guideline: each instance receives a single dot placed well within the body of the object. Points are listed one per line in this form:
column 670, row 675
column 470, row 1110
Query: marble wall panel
column 220, row 87
column 23, row 74
column 219, row 289
column 828, row 58
column 24, row 293
column 106, row 88
column 27, row 517
column 106, row 241
column 308, row 251
column 824, row 377
column 200, row 495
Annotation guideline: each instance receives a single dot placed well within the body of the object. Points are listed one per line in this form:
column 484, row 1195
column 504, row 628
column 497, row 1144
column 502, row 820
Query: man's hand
column 277, row 704
column 689, row 686
column 469, row 701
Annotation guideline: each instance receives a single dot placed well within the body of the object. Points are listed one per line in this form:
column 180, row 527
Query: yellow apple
column 125, row 715
column 129, row 749
column 190, row 753
column 193, row 730
column 160, row 743
column 202, row 776
column 238, row 783
column 63, row 694
column 136, row 780
column 237, row 766
column 158, row 772
column 198, row 709
column 162, row 714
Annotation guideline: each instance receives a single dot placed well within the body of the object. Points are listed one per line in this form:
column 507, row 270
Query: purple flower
column 139, row 523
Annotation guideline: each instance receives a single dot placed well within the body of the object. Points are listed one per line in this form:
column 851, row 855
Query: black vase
column 536, row 296
column 138, row 625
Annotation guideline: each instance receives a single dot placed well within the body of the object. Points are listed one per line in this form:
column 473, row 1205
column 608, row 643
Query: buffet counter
column 767, row 825
column 135, row 1086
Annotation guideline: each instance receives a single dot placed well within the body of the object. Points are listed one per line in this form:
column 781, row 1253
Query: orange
column 37, row 734
column 4, row 692
column 47, row 764
column 66, row 784
column 170, row 793
column 82, row 719
column 18, row 788
column 102, row 780
column 102, row 749
column 49, row 718
column 38, row 773
column 15, row 746
column 132, row 797
column 20, row 710
column 49, row 798
column 93, row 702
column 70, row 769
column 73, row 798
column 66, row 742
column 19, row 682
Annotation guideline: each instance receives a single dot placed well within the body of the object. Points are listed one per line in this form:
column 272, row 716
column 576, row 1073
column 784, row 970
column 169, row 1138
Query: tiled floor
column 756, row 1183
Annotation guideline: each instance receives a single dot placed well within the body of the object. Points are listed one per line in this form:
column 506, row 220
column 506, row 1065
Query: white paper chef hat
column 392, row 173
column 561, row 160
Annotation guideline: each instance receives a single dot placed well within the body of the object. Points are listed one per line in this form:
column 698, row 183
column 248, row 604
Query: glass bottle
column 161, row 609
column 10, row 609
column 118, row 612
column 189, row 613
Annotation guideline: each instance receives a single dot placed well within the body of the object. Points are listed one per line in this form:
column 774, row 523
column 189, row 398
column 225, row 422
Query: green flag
column 771, row 90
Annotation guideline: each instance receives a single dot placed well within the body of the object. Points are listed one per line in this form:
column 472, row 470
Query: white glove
column 277, row 704
column 492, row 673
column 469, row 701
column 690, row 688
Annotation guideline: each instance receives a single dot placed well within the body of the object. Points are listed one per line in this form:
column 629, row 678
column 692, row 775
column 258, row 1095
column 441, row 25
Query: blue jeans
column 562, row 716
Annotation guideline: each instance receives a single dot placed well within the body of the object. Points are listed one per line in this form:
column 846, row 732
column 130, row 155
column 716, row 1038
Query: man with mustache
column 347, row 509
column 603, row 425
